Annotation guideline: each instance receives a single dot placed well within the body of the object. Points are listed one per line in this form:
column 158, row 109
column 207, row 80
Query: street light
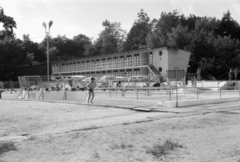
column 47, row 33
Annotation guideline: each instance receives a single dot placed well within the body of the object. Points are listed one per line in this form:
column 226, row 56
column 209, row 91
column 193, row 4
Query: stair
column 155, row 72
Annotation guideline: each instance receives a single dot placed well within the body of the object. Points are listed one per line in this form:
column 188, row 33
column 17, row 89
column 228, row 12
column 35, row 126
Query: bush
column 7, row 146
column 159, row 150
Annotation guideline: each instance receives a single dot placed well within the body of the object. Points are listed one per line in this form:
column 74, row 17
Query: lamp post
column 47, row 33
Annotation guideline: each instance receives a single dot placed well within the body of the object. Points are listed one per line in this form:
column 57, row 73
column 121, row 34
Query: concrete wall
column 185, row 103
column 143, row 71
column 178, row 58
column 161, row 61
column 55, row 95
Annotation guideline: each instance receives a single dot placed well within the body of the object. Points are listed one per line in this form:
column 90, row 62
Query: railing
column 152, row 94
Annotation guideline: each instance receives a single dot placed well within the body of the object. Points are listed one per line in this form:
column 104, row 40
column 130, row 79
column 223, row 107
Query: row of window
column 99, row 64
column 123, row 73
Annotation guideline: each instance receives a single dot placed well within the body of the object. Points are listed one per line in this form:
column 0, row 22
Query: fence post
column 65, row 94
column 137, row 93
column 239, row 87
column 170, row 93
column 177, row 96
column 42, row 94
column 21, row 92
column 110, row 92
column 197, row 92
column 28, row 94
column 220, row 92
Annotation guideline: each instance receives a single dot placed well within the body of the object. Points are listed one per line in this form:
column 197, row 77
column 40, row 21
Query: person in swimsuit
column 1, row 91
column 91, row 87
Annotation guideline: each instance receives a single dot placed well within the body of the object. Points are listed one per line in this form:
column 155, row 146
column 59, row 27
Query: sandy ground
column 60, row 132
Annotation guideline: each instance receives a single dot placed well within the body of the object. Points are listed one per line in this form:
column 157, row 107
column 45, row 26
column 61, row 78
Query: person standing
column 230, row 74
column 11, row 86
column 91, row 87
column 198, row 74
column 1, row 91
column 236, row 73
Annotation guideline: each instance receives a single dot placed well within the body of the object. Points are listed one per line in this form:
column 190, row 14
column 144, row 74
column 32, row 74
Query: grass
column 6, row 147
column 96, row 155
column 122, row 145
column 31, row 138
column 159, row 150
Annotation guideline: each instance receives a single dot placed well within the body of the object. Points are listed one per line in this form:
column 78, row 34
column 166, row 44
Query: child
column 1, row 91
column 91, row 87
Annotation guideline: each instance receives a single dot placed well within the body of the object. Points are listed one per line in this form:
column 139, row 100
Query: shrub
column 7, row 146
column 159, row 150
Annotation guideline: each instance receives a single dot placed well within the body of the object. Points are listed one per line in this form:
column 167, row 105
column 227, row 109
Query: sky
column 73, row 17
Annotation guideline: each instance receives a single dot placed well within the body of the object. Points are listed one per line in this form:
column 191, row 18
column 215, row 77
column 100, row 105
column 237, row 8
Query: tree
column 110, row 40
column 82, row 42
column 136, row 38
column 229, row 27
column 8, row 24
column 179, row 37
column 159, row 37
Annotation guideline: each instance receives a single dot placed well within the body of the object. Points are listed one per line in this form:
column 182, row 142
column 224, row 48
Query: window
column 103, row 73
column 74, row 66
column 129, row 60
column 97, row 64
column 136, row 60
column 122, row 73
column 115, row 62
column 78, row 66
column 83, row 65
column 115, row 73
column 103, row 63
column 109, row 63
column 122, row 63
column 93, row 64
column 87, row 65
column 129, row 72
column 109, row 73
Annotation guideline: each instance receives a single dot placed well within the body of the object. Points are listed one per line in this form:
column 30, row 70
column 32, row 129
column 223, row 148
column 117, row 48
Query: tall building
column 139, row 62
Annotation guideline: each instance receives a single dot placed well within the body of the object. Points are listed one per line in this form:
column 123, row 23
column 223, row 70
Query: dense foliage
column 214, row 43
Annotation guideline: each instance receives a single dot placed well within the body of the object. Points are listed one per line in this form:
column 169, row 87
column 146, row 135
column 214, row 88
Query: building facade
column 139, row 62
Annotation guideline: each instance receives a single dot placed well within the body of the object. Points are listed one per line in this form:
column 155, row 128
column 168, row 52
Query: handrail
column 220, row 77
column 151, row 70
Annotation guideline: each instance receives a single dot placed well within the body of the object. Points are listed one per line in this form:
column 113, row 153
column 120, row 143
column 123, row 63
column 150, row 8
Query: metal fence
column 166, row 93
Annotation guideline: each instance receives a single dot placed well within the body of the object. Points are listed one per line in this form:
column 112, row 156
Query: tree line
column 214, row 43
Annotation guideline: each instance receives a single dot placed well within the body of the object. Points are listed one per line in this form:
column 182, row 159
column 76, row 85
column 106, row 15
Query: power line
column 38, row 37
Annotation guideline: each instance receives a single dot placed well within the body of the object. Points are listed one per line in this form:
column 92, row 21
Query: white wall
column 178, row 58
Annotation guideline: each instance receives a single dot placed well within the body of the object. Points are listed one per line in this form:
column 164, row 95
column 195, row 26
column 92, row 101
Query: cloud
column 210, row 8
column 235, row 11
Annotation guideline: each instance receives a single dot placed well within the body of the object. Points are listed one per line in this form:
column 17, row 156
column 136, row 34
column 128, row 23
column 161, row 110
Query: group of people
column 11, row 86
column 233, row 72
